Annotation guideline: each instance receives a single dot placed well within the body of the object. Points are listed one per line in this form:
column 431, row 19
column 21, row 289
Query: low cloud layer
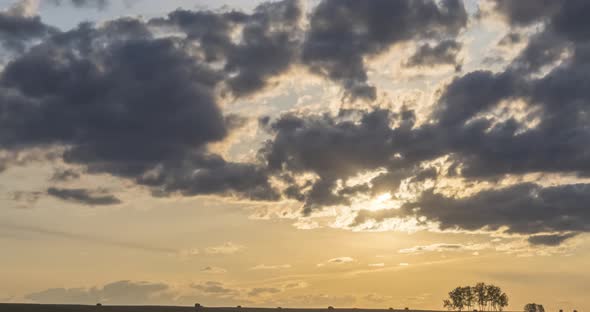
column 84, row 196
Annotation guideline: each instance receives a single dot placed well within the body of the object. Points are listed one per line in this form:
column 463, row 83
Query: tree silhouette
column 533, row 307
column 468, row 297
column 487, row 297
column 480, row 295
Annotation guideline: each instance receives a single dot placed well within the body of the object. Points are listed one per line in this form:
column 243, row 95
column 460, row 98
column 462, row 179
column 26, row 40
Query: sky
column 294, row 153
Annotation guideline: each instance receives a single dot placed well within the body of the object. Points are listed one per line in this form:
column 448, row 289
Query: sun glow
column 382, row 201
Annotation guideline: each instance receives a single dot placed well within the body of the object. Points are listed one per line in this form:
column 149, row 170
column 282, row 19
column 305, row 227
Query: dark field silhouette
column 106, row 308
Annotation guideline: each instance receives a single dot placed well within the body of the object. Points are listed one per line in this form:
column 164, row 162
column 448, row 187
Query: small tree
column 533, row 307
column 487, row 297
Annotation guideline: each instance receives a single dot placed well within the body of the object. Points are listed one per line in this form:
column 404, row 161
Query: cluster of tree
column 484, row 297
column 533, row 307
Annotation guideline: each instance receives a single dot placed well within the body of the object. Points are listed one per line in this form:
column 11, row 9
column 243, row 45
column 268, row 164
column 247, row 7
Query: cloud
column 343, row 33
column 99, row 4
column 442, row 248
column 65, row 174
column 485, row 126
column 261, row 291
column 443, row 53
column 522, row 209
column 342, row 150
column 122, row 292
column 19, row 25
column 339, row 260
column 146, row 119
column 525, row 12
column 213, row 270
column 86, row 238
column 145, row 293
column 225, row 249
column 85, row 95
column 26, row 197
column 212, row 287
column 271, row 267
column 550, row 240
column 268, row 46
column 84, row 196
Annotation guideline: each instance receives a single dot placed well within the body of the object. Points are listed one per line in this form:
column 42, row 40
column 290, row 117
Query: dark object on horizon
column 99, row 304
column 330, row 308
column 486, row 297
column 533, row 307
column 390, row 309
column 239, row 307
column 279, row 308
column 407, row 309
column 197, row 306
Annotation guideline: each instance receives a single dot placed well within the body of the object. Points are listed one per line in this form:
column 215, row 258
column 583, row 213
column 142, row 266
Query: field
column 93, row 308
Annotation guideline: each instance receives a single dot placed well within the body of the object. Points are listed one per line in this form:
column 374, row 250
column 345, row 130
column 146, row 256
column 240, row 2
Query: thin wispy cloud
column 224, row 249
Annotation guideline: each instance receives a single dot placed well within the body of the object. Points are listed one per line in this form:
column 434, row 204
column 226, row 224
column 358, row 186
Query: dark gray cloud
column 333, row 148
column 551, row 136
column 550, row 240
column 443, row 53
column 343, row 33
column 522, row 208
column 17, row 29
column 525, row 12
column 123, row 101
column 61, row 175
column 128, row 104
column 84, row 196
column 510, row 39
column 268, row 45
